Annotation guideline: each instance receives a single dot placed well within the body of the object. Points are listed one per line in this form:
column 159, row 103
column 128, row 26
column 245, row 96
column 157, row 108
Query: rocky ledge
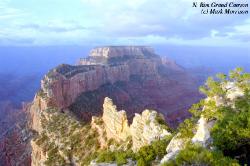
column 62, row 140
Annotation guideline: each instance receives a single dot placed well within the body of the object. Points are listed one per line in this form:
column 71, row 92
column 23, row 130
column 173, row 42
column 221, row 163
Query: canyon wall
column 135, row 77
column 64, row 90
column 66, row 82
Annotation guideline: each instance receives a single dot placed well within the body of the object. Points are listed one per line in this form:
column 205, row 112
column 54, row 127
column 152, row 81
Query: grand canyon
column 111, row 106
column 124, row 83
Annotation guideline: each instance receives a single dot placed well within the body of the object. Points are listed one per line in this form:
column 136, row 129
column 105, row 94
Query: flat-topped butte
column 119, row 51
column 104, row 56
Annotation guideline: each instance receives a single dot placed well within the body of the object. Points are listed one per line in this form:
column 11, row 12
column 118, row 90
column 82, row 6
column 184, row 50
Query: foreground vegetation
column 231, row 131
column 198, row 155
column 145, row 156
column 65, row 139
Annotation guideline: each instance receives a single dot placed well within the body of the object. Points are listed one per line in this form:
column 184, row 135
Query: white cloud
column 243, row 28
column 123, row 21
column 7, row 12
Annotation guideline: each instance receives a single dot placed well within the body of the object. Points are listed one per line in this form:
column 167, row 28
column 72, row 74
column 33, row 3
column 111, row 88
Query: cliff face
column 66, row 82
column 120, row 51
column 64, row 90
column 135, row 77
column 14, row 141
column 63, row 139
column 38, row 156
column 39, row 104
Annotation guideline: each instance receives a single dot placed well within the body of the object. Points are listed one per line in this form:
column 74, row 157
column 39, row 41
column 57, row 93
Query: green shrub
column 212, row 88
column 147, row 153
column 197, row 155
column 54, row 158
column 231, row 133
column 42, row 139
column 120, row 158
column 160, row 146
column 186, row 128
column 106, row 156
column 141, row 162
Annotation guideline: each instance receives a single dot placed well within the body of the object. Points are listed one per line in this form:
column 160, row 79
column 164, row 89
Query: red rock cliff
column 66, row 82
column 134, row 76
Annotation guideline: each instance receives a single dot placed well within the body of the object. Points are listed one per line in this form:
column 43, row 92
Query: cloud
column 54, row 27
column 119, row 22
column 164, row 18
column 241, row 32
column 7, row 12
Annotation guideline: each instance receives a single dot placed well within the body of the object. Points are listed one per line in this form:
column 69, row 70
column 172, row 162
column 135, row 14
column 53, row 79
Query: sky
column 118, row 22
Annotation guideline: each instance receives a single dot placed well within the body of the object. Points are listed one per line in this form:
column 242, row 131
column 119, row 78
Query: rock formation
column 120, row 51
column 38, row 154
column 145, row 128
column 115, row 122
column 134, row 76
column 202, row 135
column 66, row 82
column 233, row 91
column 176, row 144
column 39, row 104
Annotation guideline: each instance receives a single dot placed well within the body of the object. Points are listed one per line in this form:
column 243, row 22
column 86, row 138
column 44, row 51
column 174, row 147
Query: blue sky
column 116, row 22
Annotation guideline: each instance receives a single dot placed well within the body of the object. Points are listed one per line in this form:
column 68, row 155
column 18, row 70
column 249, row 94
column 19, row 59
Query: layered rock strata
column 135, row 77
column 64, row 83
column 120, row 51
